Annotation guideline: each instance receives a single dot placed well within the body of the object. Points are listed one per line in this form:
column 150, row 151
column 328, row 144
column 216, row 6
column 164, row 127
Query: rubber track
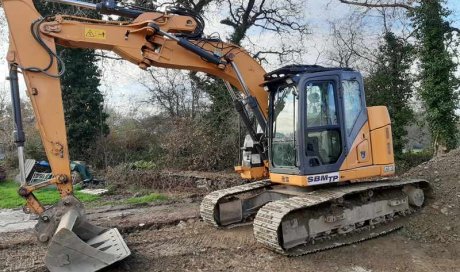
column 209, row 203
column 270, row 216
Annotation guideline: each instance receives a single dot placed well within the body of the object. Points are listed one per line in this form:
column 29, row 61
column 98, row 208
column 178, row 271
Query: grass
column 9, row 197
column 153, row 197
column 140, row 200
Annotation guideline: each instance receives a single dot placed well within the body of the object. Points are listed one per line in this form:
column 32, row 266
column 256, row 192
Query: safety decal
column 94, row 33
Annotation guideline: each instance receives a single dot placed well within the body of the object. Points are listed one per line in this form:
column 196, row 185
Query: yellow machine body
column 375, row 139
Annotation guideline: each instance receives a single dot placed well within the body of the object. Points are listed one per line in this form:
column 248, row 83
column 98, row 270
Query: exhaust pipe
column 77, row 245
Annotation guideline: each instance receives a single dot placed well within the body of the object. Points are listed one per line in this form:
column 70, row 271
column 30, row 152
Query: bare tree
column 282, row 52
column 355, row 38
column 405, row 4
column 351, row 46
column 196, row 5
column 173, row 92
column 267, row 15
column 408, row 5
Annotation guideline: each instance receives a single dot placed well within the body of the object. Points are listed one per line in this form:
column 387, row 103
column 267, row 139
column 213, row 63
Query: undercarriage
column 296, row 221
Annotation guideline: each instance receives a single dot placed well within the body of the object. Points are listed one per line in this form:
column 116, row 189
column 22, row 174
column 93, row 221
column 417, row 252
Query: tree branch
column 107, row 57
column 367, row 4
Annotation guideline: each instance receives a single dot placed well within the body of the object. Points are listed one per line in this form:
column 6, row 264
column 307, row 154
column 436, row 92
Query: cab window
column 321, row 110
column 352, row 103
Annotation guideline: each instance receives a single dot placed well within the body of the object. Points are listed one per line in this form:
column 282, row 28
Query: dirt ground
column 171, row 237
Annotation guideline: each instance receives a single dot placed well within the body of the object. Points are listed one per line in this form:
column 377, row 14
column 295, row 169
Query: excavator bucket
column 78, row 245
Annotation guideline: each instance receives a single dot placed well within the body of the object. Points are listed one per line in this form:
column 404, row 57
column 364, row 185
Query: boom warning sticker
column 323, row 178
column 94, row 33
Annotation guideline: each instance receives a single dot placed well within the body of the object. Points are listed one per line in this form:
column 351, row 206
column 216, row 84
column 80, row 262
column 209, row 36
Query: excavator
column 320, row 163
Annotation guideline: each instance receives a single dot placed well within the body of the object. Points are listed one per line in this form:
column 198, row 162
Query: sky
column 121, row 80
column 454, row 5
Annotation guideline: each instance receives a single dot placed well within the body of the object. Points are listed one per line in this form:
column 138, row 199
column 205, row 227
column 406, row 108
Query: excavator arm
column 145, row 42
column 151, row 39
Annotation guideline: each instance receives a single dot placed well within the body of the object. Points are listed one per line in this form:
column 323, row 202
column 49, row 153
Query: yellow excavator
column 323, row 160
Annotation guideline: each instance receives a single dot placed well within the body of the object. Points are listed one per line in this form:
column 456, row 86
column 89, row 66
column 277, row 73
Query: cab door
column 322, row 136
column 356, row 127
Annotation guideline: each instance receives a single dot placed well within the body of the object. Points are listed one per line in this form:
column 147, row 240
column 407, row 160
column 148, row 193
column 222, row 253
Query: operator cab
column 315, row 113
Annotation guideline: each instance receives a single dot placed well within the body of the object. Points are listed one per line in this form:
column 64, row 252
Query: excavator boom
column 145, row 42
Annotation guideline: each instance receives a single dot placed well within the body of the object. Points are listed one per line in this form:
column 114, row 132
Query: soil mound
column 438, row 221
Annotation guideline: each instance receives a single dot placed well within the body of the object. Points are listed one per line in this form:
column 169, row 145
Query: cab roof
column 280, row 75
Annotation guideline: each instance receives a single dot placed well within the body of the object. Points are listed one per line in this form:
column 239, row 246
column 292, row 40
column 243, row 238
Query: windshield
column 284, row 127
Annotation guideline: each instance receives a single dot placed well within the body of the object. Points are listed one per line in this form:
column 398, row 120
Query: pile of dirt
column 438, row 220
